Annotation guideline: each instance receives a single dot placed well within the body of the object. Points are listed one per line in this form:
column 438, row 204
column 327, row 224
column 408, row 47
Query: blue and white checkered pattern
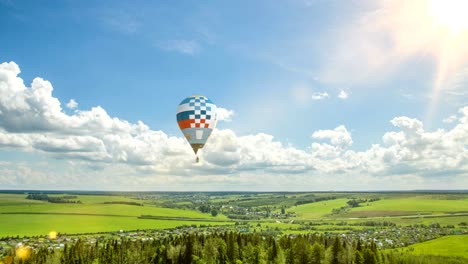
column 196, row 117
column 201, row 110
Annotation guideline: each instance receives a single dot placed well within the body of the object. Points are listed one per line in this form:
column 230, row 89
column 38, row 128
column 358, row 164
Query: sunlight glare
column 23, row 252
column 52, row 235
column 451, row 14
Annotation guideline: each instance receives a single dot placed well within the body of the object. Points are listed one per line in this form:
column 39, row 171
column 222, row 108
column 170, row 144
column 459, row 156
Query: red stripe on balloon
column 183, row 124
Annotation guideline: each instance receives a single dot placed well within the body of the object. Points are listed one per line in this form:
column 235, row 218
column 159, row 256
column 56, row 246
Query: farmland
column 32, row 225
column 405, row 220
column 21, row 216
column 317, row 210
column 284, row 211
column 411, row 206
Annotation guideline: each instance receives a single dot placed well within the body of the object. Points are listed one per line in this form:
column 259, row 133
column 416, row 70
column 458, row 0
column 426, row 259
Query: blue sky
column 320, row 83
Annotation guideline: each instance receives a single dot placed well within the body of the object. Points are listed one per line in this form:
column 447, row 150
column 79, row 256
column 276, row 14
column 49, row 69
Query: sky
column 313, row 95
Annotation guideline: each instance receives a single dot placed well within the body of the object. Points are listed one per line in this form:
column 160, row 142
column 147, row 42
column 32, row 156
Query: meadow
column 444, row 246
column 317, row 210
column 267, row 213
column 32, row 225
column 23, row 217
column 411, row 206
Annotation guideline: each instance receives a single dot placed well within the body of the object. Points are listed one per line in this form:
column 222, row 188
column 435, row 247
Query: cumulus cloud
column 32, row 120
column 343, row 95
column 319, row 96
column 72, row 104
column 338, row 136
column 254, row 152
column 224, row 114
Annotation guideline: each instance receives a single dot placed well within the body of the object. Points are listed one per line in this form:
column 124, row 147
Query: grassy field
column 20, row 216
column 445, row 220
column 99, row 199
column 93, row 205
column 417, row 205
column 15, row 199
column 317, row 210
column 103, row 209
column 404, row 221
column 444, row 246
column 12, row 225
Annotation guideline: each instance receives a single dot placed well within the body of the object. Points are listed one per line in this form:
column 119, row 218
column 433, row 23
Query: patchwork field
column 20, row 216
column 29, row 225
column 112, row 212
column 92, row 206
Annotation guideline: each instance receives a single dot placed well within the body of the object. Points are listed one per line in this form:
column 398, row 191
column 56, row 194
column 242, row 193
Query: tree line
column 54, row 199
column 124, row 202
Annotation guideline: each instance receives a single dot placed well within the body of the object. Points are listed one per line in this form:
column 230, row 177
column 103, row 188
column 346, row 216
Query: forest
column 226, row 247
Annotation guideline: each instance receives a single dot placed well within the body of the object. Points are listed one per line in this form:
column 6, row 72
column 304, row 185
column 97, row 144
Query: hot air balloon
column 196, row 116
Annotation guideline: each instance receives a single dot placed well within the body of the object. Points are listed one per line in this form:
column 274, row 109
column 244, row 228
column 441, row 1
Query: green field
column 12, row 225
column 93, row 205
column 20, row 216
column 444, row 246
column 317, row 210
column 103, row 209
column 410, row 206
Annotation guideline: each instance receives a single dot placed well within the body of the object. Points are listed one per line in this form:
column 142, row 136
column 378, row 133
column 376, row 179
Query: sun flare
column 451, row 14
column 447, row 24
column 23, row 252
column 52, row 235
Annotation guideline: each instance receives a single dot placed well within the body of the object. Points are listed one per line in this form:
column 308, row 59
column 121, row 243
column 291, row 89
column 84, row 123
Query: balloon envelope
column 196, row 116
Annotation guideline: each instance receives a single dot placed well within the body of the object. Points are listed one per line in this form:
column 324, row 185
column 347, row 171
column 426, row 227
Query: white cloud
column 72, row 104
column 32, row 118
column 338, row 137
column 319, row 95
column 253, row 152
column 450, row 119
column 184, row 46
column 224, row 114
column 99, row 145
column 343, row 95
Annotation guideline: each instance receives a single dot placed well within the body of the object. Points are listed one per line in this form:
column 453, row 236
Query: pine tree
column 318, row 253
column 273, row 251
column 358, row 246
column 301, row 250
column 188, row 252
column 369, row 256
column 336, row 250
column 358, row 258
